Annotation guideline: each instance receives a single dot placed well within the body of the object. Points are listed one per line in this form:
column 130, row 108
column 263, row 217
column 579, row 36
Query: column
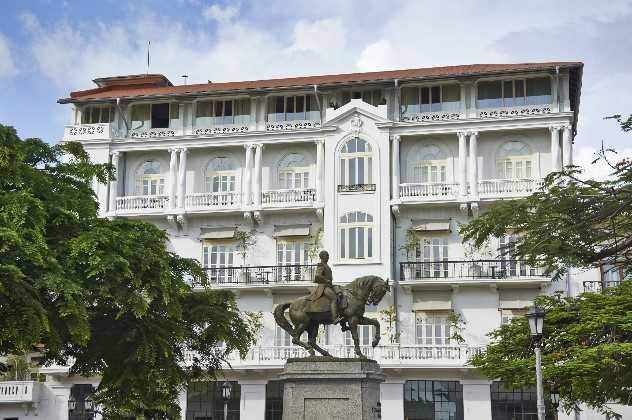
column 555, row 148
column 320, row 164
column 114, row 182
column 256, row 187
column 477, row 399
column 392, row 399
column 462, row 177
column 395, row 167
column 247, row 200
column 473, row 168
column 567, row 146
column 58, row 408
column 253, row 399
column 182, row 177
column 173, row 164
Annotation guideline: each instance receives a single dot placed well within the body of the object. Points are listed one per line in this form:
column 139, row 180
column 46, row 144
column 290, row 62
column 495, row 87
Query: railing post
column 462, row 163
column 395, row 167
column 173, row 164
column 555, row 148
column 473, row 167
column 248, row 176
column 182, row 175
column 320, row 162
column 257, row 178
column 567, row 146
column 114, row 182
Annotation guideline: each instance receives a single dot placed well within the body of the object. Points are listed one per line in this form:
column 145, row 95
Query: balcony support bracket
column 258, row 216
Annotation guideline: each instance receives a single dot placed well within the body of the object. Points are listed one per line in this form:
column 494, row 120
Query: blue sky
column 50, row 47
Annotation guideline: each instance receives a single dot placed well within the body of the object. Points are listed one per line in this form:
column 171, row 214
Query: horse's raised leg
column 312, row 334
column 370, row 321
column 353, row 325
column 296, row 338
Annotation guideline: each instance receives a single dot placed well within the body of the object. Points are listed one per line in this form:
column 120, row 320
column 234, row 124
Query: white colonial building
column 380, row 169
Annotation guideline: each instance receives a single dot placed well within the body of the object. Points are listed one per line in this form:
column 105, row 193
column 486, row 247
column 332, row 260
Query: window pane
column 140, row 116
column 435, row 98
column 342, row 243
column 311, row 108
column 410, row 100
column 361, row 177
column 370, row 243
column 539, row 91
column 425, row 99
column 276, row 107
column 203, row 114
column 489, row 94
column 160, row 115
column 174, row 115
column 290, row 111
column 228, row 112
column 352, row 172
column 352, row 242
column 360, row 242
column 451, row 98
column 508, row 93
column 519, row 92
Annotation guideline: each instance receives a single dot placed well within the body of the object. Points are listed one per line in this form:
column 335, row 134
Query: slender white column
column 173, row 165
column 114, row 182
column 567, row 146
column 473, row 169
column 182, row 177
column 248, row 176
column 462, row 177
column 320, row 164
column 256, row 188
column 555, row 149
column 395, row 167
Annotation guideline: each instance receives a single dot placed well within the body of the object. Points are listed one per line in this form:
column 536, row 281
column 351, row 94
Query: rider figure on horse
column 323, row 277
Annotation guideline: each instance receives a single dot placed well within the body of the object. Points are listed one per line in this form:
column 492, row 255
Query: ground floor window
column 274, row 400
column 77, row 407
column 433, row 400
column 515, row 403
column 204, row 401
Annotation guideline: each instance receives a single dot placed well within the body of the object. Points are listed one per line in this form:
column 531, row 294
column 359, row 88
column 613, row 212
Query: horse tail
column 281, row 320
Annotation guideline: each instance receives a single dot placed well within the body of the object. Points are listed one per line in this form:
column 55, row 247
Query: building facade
column 380, row 169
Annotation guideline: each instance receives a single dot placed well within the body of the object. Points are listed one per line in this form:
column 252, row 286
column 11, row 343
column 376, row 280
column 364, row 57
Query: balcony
column 100, row 131
column 261, row 276
column 510, row 188
column 142, row 203
column 470, row 271
column 515, row 111
column 391, row 355
column 292, row 125
column 222, row 129
column 411, row 192
column 288, row 198
column 430, row 116
column 13, row 392
column 213, row 200
column 154, row 133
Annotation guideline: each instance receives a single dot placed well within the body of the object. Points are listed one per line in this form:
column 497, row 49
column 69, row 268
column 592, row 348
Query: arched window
column 221, row 175
column 356, row 236
column 514, row 160
column 429, row 165
column 356, row 163
column 293, row 172
column 149, row 179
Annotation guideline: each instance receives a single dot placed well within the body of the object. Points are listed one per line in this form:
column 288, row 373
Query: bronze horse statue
column 307, row 316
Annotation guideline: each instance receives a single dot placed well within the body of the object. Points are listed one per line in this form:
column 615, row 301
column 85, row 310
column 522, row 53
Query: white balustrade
column 222, row 129
column 292, row 196
column 430, row 116
column 19, row 391
column 509, row 187
column 89, row 132
column 153, row 133
column 430, row 191
column 141, row 203
column 292, row 125
column 515, row 111
column 212, row 200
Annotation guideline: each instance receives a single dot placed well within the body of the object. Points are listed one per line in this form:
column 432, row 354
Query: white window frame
column 349, row 231
column 349, row 159
column 213, row 116
column 305, row 111
column 224, row 254
column 150, row 184
column 434, row 171
column 507, row 167
column 365, row 335
column 432, row 328
column 508, row 99
column 87, row 113
column 287, row 251
column 440, row 104
column 432, row 254
column 291, row 175
column 172, row 106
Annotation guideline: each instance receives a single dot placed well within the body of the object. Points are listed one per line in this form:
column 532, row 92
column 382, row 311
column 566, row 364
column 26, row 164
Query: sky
column 51, row 47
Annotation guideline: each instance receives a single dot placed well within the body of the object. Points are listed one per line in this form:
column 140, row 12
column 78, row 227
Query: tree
column 587, row 343
column 106, row 293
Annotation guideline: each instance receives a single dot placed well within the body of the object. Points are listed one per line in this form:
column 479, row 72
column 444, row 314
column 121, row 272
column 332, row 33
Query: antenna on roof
column 148, row 45
column 185, row 76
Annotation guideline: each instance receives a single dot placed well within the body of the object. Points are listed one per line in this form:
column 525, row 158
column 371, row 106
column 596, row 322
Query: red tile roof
column 154, row 85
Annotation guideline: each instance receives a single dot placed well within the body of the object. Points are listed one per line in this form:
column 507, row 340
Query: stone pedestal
column 319, row 388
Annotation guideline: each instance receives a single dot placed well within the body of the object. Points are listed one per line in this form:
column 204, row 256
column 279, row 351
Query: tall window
column 149, row 179
column 431, row 254
column 274, row 400
column 514, row 92
column 356, row 236
column 510, row 266
column 222, row 112
column 94, row 114
column 293, row 108
column 204, row 401
column 429, row 166
column 218, row 259
column 161, row 115
column 221, row 175
column 293, row 172
column 432, row 328
column 356, row 163
column 365, row 335
column 433, row 400
column 442, row 98
column 514, row 161
column 292, row 252
column 516, row 403
column 374, row 97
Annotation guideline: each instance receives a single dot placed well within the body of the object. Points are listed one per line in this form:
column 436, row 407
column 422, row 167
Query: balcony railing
column 427, row 191
column 430, row 116
column 141, row 202
column 296, row 196
column 19, row 392
column 154, row 132
column 261, row 275
column 212, row 200
column 473, row 270
column 597, row 286
column 292, row 125
column 515, row 111
column 222, row 129
column 89, row 131
column 509, row 187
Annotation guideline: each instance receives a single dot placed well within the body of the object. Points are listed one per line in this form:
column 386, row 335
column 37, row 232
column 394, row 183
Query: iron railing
column 473, row 269
column 263, row 274
column 597, row 286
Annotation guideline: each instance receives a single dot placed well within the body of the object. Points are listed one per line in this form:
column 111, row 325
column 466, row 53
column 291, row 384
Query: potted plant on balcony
column 313, row 249
column 245, row 240
column 408, row 247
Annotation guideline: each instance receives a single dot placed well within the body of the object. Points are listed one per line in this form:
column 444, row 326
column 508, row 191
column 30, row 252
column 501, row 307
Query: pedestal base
column 328, row 388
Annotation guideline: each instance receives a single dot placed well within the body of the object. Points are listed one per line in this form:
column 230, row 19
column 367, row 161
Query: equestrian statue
column 330, row 304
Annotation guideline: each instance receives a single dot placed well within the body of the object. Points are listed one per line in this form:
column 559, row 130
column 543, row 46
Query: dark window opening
column 516, row 403
column 80, row 393
column 204, row 401
column 274, row 400
column 160, row 115
column 433, row 400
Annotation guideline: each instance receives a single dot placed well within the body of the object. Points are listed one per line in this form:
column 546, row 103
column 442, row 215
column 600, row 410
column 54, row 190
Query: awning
column 223, row 232
column 291, row 230
column 431, row 225
column 431, row 300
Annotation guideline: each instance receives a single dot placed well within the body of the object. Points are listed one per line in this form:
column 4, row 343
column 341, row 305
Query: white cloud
column 219, row 13
column 322, row 37
column 585, row 155
column 7, row 65
column 377, row 56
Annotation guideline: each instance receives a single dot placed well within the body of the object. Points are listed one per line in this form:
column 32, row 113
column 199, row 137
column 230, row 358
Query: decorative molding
column 396, row 210
column 258, row 216
column 320, row 214
column 515, row 111
column 356, row 125
column 430, row 116
column 222, row 129
column 156, row 132
column 292, row 125
column 474, row 207
column 357, row 188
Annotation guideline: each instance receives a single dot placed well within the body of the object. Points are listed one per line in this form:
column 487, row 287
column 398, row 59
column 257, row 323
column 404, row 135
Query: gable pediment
column 353, row 108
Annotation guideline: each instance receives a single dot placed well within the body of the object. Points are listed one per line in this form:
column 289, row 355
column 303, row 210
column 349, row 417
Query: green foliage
column 410, row 243
column 106, row 293
column 245, row 239
column 315, row 246
column 18, row 369
column 389, row 316
column 457, row 323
